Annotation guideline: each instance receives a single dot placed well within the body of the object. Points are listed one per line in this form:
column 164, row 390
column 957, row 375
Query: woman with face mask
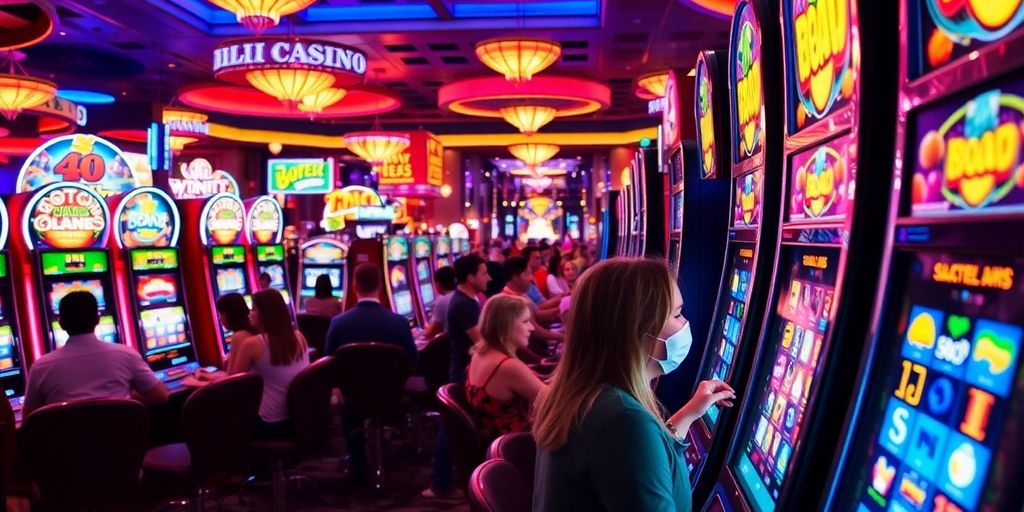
column 603, row 442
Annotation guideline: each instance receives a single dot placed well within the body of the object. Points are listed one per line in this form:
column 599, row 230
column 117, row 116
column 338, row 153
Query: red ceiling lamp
column 316, row 103
column 528, row 118
column 533, row 154
column 652, row 85
column 518, row 58
column 259, row 15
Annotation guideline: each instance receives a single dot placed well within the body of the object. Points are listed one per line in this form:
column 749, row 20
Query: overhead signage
column 64, row 110
column 184, row 127
column 300, row 175
column 418, row 171
column 87, row 159
column 233, row 58
column 265, row 222
column 222, row 220
column 969, row 154
column 147, row 217
column 354, row 204
column 747, row 94
column 821, row 184
column 819, row 57
column 65, row 216
column 199, row 179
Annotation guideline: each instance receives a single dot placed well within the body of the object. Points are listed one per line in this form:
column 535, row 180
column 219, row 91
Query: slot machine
column 839, row 135
column 649, row 212
column 442, row 251
column 264, row 228
column 148, row 282
column 398, row 279
column 12, row 353
column 426, row 294
column 216, row 264
column 319, row 256
column 61, row 248
column 936, row 421
column 610, row 226
column 459, row 234
column 746, row 149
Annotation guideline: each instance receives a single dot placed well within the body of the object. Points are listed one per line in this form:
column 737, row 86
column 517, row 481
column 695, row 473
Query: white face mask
column 677, row 346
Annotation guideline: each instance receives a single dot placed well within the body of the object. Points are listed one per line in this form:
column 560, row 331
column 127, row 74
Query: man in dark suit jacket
column 367, row 321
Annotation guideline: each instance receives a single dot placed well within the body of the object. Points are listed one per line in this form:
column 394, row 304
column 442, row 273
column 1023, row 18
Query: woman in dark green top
column 602, row 443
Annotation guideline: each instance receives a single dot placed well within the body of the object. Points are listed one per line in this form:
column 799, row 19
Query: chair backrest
column 309, row 406
column 497, row 486
column 8, row 443
column 518, row 449
column 86, row 454
column 314, row 329
column 372, row 377
column 434, row 362
column 218, row 422
column 463, row 433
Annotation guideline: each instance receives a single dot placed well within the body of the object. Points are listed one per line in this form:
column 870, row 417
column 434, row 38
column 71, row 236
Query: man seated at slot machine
column 444, row 278
column 518, row 279
column 86, row 367
column 369, row 320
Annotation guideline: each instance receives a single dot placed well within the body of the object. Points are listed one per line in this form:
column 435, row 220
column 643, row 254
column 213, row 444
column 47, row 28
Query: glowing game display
column 66, row 216
column 747, row 200
column 12, row 379
column 65, row 263
column 228, row 255
column 154, row 259
column 427, row 293
column 798, row 327
column 403, row 303
column 276, row 273
column 264, row 221
column 747, row 95
column 163, row 328
column 222, row 220
column 948, row 30
column 231, row 280
column 821, row 185
column 309, row 276
column 323, row 253
column 106, row 331
column 819, row 61
column 442, row 248
column 969, row 155
column 58, row 290
column 938, row 412
column 153, row 289
column 146, row 217
column 398, row 249
column 85, row 159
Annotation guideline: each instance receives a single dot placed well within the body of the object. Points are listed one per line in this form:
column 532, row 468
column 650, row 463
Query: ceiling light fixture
column 185, row 126
column 18, row 91
column 518, row 58
column 533, row 154
column 316, row 103
column 259, row 15
column 528, row 118
column 653, row 84
column 289, row 84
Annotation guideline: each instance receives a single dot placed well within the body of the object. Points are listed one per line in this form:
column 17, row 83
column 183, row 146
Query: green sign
column 300, row 175
column 3, row 265
column 154, row 259
column 82, row 262
column 228, row 254
column 270, row 253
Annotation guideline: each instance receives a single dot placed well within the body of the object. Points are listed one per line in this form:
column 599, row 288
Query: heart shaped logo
column 958, row 325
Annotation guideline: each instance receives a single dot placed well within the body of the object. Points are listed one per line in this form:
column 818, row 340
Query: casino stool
column 431, row 374
column 497, row 486
column 314, row 329
column 86, row 454
column 372, row 377
column 518, row 449
column 463, row 433
column 217, row 422
column 309, row 408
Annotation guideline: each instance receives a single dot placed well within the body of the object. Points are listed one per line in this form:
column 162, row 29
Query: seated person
column 444, row 279
column 517, row 281
column 499, row 386
column 367, row 321
column 264, row 281
column 234, row 316
column 323, row 302
column 562, row 276
column 86, row 367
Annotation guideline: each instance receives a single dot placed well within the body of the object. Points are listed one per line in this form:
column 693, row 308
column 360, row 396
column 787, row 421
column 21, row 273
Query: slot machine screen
column 154, row 259
column 230, row 280
column 155, row 289
column 938, row 431
column 427, row 293
column 795, row 337
column 165, row 337
column 676, row 221
column 59, row 289
column 403, row 303
column 729, row 318
column 423, row 270
column 276, row 273
column 309, row 276
column 12, row 380
column 105, row 331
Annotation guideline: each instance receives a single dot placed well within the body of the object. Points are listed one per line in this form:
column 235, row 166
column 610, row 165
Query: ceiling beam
column 441, row 8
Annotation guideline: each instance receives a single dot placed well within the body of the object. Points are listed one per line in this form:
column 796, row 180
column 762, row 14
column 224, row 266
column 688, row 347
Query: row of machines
column 638, row 208
column 869, row 312
column 150, row 297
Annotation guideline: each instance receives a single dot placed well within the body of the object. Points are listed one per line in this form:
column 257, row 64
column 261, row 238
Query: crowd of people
column 604, row 442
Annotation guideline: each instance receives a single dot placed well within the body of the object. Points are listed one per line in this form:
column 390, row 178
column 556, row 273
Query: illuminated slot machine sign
column 424, row 274
column 319, row 257
column 148, row 226
column 12, row 357
column 397, row 254
column 442, row 250
column 67, row 225
column 265, row 227
column 948, row 31
column 747, row 100
column 221, row 224
column 711, row 115
column 459, row 234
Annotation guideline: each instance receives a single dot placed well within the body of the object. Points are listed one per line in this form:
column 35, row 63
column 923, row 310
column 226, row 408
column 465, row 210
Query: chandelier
column 259, row 15
column 316, row 103
column 18, row 92
column 376, row 146
column 653, row 84
column 289, row 84
column 518, row 58
column 533, row 154
column 528, row 118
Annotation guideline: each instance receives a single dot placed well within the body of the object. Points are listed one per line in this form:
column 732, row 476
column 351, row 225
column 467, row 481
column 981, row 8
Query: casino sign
column 147, row 217
column 234, row 59
column 746, row 73
column 264, row 222
column 356, row 204
column 65, row 216
column 222, row 220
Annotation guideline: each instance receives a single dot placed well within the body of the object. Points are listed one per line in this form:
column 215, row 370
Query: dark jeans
column 355, row 443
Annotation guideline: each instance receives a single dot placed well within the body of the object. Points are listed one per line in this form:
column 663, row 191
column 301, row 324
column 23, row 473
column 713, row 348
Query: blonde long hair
column 497, row 319
column 618, row 306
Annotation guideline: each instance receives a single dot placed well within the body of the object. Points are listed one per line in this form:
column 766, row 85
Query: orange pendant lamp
column 518, row 58
column 316, row 103
column 532, row 153
column 653, row 84
column 259, row 15
column 289, row 84
column 528, row 118
column 376, row 146
column 18, row 92
column 182, row 116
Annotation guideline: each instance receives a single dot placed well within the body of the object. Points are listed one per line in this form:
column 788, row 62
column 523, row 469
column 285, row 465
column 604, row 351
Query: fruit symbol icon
column 882, row 475
column 997, row 353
